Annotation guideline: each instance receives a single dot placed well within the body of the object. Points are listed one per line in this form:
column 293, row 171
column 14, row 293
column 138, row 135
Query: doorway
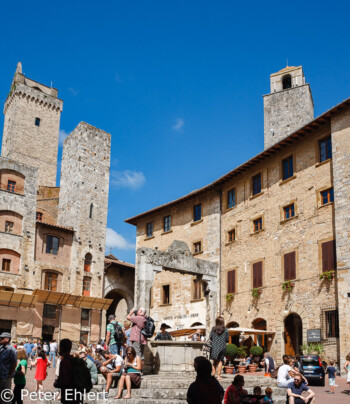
column 47, row 333
column 293, row 334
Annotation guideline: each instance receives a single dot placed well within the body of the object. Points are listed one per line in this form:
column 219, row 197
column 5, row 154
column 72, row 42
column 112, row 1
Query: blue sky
column 178, row 84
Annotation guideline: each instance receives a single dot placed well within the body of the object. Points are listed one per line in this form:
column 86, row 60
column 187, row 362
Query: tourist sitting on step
column 163, row 335
column 235, row 392
column 131, row 376
column 299, row 393
column 111, row 369
column 205, row 389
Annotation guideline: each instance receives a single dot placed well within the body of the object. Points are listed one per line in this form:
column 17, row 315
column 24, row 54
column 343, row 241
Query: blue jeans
column 114, row 349
column 52, row 358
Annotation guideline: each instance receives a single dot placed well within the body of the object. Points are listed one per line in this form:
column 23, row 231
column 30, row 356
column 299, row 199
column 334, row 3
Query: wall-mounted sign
column 314, row 335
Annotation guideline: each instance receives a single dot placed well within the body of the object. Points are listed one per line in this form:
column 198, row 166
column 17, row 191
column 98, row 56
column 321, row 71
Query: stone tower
column 31, row 126
column 288, row 107
column 83, row 201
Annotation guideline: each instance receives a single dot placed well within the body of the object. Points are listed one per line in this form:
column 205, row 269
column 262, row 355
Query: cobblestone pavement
column 322, row 395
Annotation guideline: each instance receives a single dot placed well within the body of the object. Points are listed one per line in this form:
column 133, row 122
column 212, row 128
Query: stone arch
column 296, row 309
column 232, row 324
column 259, row 324
column 118, row 293
column 286, row 81
column 197, row 324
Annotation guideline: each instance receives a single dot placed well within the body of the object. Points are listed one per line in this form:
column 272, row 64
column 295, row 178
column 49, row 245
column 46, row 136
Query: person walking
column 269, row 364
column 20, row 377
column 28, row 347
column 53, row 352
column 8, row 362
column 331, row 371
column 347, row 369
column 137, row 339
column 219, row 336
column 41, row 364
column 115, row 335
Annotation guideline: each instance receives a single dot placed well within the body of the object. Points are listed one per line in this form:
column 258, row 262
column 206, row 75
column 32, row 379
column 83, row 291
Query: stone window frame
column 290, row 250
column 262, row 216
column 285, row 156
column 194, row 248
column 6, row 263
column 323, row 322
column 296, row 211
column 162, row 296
column 262, row 260
column 147, row 236
column 60, row 244
column 234, row 229
column 12, row 219
column 318, row 161
column 319, row 197
column 319, row 244
column 193, row 279
column 59, row 278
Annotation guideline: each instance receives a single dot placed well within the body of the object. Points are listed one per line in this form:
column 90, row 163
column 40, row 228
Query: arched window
column 87, row 262
column 233, row 324
column 287, row 81
column 10, row 222
column 259, row 324
column 12, row 181
column 9, row 261
column 51, row 281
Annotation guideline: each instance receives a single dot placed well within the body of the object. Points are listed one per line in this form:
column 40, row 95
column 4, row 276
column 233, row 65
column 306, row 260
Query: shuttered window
column 51, row 281
column 231, row 281
column 196, row 289
column 257, row 275
column 328, row 256
column 289, row 266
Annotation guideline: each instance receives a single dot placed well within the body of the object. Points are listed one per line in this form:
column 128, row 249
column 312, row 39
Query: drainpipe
column 103, row 295
column 220, row 256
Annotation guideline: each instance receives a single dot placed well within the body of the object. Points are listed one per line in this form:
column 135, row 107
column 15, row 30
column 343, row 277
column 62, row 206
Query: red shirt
column 232, row 395
column 139, row 323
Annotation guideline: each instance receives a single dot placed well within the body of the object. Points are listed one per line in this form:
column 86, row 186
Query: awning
column 238, row 330
column 57, row 298
column 185, row 331
column 13, row 299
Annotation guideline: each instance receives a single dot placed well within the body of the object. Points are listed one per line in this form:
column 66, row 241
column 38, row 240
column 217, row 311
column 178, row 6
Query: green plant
column 256, row 350
column 315, row 348
column 318, row 348
column 328, row 275
column 241, row 352
column 256, row 293
column 231, row 351
column 288, row 285
column 229, row 297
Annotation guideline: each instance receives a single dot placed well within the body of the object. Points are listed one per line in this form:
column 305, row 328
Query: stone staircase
column 172, row 389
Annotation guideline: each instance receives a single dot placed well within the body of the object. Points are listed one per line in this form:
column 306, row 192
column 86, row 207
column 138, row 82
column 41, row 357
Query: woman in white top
column 285, row 373
column 347, row 368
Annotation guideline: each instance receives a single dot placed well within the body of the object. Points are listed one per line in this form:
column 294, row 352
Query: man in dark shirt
column 8, row 361
column 65, row 376
column 295, row 392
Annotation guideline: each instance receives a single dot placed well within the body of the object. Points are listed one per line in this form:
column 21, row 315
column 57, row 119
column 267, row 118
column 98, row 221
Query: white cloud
column 179, row 124
column 62, row 135
column 116, row 240
column 73, row 91
column 128, row 179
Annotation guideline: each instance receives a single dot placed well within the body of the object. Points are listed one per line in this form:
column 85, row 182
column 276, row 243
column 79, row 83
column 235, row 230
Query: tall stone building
column 277, row 226
column 52, row 239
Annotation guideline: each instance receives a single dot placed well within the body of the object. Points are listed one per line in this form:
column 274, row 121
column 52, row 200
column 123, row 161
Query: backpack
column 118, row 332
column 81, row 376
column 149, row 327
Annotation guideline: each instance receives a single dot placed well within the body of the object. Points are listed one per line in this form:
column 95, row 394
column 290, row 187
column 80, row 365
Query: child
column 268, row 398
column 331, row 370
column 257, row 394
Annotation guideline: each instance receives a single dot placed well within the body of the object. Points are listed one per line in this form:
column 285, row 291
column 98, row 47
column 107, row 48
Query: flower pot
column 241, row 368
column 252, row 368
column 229, row 369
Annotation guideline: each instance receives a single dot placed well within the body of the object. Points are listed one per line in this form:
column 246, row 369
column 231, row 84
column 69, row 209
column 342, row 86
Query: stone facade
column 286, row 109
column 31, row 126
column 256, row 232
column 55, row 241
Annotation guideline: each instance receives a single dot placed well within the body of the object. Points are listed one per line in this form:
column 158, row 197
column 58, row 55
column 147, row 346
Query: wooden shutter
column 328, row 256
column 231, row 281
column 257, row 275
column 196, row 289
column 289, row 266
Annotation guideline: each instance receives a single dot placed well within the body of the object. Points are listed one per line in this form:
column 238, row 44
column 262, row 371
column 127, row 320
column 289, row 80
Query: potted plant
column 241, row 354
column 256, row 292
column 327, row 275
column 315, row 348
column 256, row 351
column 229, row 297
column 231, row 350
column 288, row 286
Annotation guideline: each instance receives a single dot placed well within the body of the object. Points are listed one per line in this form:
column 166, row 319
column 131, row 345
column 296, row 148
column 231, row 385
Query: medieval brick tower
column 288, row 107
column 83, row 203
column 31, row 126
